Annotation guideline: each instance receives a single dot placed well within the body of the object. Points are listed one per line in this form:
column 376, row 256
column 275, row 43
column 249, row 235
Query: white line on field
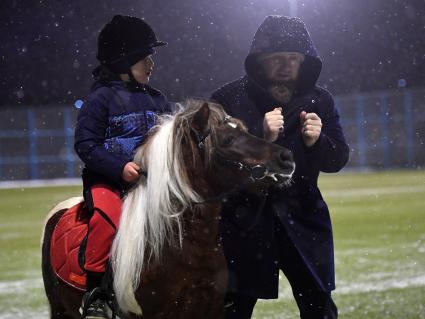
column 19, row 286
column 16, row 313
column 418, row 245
column 381, row 285
column 378, row 284
column 41, row 183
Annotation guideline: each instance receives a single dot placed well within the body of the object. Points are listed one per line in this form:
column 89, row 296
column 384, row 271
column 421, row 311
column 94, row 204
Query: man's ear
column 200, row 119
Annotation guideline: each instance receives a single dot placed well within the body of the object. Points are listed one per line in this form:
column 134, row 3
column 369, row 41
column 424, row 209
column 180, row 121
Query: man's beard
column 282, row 91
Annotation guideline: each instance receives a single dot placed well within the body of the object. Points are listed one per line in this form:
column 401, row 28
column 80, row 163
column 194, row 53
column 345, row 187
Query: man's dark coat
column 253, row 254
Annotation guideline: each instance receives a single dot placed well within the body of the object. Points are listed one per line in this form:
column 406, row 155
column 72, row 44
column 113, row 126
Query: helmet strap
column 133, row 83
column 131, row 76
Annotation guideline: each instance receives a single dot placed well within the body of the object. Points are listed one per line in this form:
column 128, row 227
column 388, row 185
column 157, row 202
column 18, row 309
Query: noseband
column 256, row 172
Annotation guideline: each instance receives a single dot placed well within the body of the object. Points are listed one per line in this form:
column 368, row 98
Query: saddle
column 68, row 242
column 66, row 249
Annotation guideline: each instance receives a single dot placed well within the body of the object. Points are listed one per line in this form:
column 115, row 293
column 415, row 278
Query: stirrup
column 98, row 304
column 94, row 305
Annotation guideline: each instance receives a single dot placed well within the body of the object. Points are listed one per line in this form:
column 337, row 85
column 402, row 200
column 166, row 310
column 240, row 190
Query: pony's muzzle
column 286, row 162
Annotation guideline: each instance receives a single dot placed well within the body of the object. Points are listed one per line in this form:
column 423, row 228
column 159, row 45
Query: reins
column 256, row 173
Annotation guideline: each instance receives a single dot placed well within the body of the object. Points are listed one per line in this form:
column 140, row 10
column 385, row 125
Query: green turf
column 22, row 213
column 379, row 227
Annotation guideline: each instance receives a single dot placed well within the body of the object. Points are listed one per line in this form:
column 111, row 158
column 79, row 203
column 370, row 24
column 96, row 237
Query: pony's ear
column 200, row 119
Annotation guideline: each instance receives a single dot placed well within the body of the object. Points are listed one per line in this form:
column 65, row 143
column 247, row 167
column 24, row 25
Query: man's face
column 280, row 67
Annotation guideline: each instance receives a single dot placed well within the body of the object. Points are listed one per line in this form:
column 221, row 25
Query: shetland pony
column 167, row 258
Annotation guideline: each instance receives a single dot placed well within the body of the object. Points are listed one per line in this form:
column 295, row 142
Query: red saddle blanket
column 65, row 245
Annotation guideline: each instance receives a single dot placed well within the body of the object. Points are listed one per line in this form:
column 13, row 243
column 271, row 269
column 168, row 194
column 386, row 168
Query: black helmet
column 124, row 41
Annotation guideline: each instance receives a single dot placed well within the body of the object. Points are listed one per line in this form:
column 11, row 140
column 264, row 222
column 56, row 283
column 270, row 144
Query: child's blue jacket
column 112, row 123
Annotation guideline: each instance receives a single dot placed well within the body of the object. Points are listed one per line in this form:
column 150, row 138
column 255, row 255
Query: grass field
column 379, row 226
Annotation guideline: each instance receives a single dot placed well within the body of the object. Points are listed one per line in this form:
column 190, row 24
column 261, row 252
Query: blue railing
column 374, row 123
column 408, row 123
column 401, row 120
column 32, row 135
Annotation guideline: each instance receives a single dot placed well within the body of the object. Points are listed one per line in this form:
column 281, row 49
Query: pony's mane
column 152, row 210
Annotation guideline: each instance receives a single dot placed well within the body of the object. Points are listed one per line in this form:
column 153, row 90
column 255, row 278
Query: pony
column 167, row 258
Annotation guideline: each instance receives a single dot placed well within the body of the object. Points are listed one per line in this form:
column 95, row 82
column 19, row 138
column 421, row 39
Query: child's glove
column 130, row 172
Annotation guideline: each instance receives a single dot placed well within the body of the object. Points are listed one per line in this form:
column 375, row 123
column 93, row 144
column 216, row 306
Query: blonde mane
column 152, row 210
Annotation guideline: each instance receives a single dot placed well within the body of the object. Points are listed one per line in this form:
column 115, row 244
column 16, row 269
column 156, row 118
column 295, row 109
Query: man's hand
column 130, row 172
column 311, row 126
column 273, row 124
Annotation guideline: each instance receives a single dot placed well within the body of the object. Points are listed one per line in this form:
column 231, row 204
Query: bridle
column 256, row 172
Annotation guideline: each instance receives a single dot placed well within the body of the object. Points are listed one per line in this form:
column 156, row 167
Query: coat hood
column 284, row 34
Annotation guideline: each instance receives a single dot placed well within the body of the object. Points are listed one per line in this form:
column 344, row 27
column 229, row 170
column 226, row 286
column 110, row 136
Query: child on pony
column 111, row 124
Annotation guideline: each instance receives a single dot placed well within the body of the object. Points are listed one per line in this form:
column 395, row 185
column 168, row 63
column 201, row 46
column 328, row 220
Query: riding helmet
column 124, row 41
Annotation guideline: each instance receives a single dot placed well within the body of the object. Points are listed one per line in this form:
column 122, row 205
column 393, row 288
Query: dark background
column 48, row 48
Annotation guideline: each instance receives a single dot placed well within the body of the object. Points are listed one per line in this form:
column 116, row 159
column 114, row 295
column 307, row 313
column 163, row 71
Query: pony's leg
column 55, row 314
column 63, row 300
column 68, row 306
column 49, row 278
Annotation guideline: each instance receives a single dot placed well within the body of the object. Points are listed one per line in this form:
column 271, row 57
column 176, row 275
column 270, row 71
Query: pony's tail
column 127, row 254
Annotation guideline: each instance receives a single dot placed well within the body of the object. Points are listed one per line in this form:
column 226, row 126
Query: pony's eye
column 228, row 140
